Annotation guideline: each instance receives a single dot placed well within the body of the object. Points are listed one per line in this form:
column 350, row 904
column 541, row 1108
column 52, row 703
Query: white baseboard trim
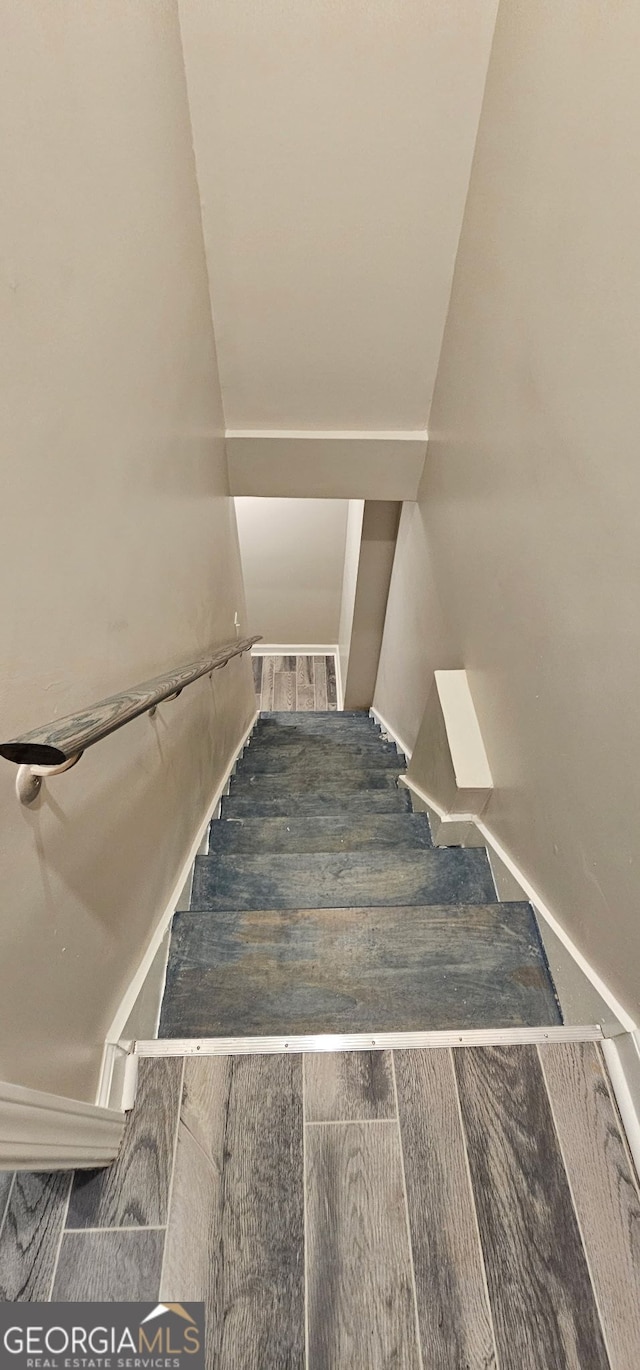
column 621, row 1052
column 113, row 1050
column 591, row 973
column 295, row 649
column 113, row 1057
column 339, row 683
column 386, row 728
column 541, row 907
column 362, row 1041
column 40, row 1131
column 622, row 1057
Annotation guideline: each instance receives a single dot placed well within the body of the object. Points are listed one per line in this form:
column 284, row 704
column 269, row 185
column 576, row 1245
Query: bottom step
column 401, row 969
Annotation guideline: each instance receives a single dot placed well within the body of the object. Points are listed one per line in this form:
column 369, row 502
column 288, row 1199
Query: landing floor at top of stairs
column 295, row 682
column 323, row 907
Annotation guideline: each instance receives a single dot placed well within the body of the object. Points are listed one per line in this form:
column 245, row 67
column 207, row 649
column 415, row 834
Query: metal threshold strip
column 362, row 1041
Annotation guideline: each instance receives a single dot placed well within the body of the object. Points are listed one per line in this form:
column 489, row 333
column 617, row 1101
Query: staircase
column 323, row 907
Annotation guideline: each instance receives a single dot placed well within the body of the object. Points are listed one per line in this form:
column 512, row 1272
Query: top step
column 317, row 725
column 320, row 718
column 332, row 717
column 339, row 741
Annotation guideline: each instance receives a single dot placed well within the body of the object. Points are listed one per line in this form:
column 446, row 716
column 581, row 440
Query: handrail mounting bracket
column 29, row 778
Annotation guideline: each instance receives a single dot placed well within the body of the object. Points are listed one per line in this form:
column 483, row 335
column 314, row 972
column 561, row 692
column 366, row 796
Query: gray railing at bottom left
column 58, row 746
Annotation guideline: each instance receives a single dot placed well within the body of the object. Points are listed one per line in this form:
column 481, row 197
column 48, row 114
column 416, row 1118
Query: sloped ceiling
column 333, row 143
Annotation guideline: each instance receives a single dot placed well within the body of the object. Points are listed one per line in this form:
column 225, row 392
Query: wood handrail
column 59, row 742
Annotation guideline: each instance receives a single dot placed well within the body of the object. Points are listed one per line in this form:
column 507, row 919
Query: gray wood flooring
column 114, row 1266
column 361, row 1309
column 30, row 1235
column 133, row 1192
column 349, row 1086
column 455, row 1322
column 605, row 1197
column 461, row 1210
column 457, row 1210
column 6, row 1180
column 295, row 682
column 547, row 1316
column 236, row 1229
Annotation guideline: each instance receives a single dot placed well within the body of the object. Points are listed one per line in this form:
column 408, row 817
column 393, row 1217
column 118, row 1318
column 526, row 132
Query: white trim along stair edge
column 622, row 1050
column 116, row 1086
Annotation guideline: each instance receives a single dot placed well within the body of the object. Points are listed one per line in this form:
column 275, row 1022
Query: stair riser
column 252, row 805
column 399, row 832
column 441, row 876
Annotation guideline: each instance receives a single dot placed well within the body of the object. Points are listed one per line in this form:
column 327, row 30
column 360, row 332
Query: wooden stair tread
column 254, row 804
column 351, row 778
column 407, row 968
column 323, row 906
column 326, row 879
column 319, row 754
column 369, row 832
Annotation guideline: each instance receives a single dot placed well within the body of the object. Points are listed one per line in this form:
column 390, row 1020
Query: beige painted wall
column 119, row 547
column 532, row 486
column 326, row 465
column 353, row 538
column 333, row 144
column 377, row 550
column 293, row 553
column 416, row 641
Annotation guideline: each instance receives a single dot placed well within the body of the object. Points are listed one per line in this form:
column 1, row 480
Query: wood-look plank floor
column 295, row 682
column 349, row 1086
column 605, row 1196
column 133, row 1192
column 455, row 1322
column 544, row 1309
column 361, row 1309
column 457, row 1210
column 30, row 1235
column 113, row 1266
column 236, row 1229
column 6, row 1181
